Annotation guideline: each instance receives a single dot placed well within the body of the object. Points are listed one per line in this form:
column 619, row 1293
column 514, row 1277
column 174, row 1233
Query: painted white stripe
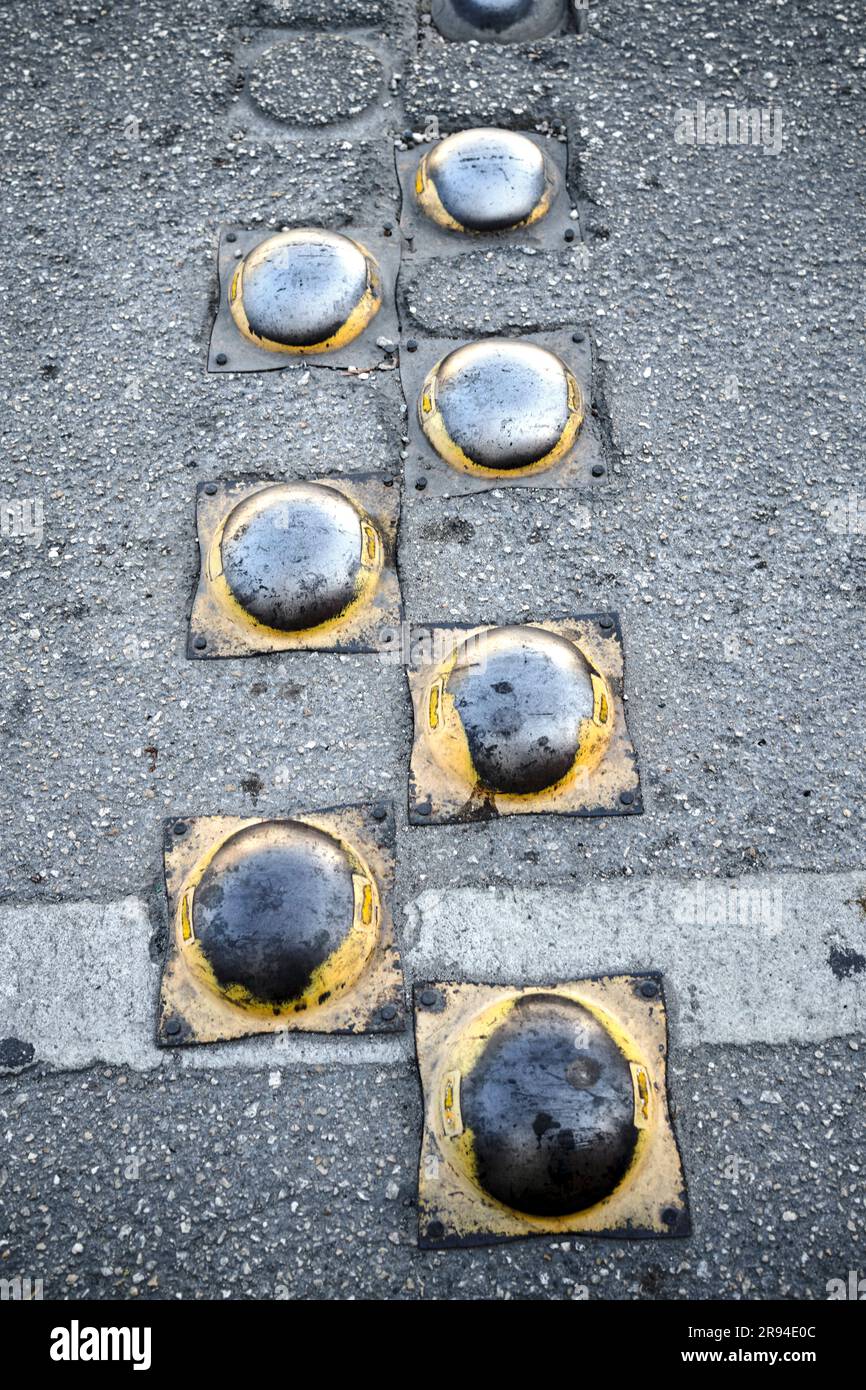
column 747, row 960
column 78, row 983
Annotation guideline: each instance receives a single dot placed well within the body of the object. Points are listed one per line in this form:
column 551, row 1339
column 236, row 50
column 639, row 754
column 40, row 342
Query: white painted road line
column 772, row 958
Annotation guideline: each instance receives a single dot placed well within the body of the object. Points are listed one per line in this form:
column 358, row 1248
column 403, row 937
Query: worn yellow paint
column 433, row 704
column 452, row 1119
column 640, row 1082
column 433, row 425
column 185, row 923
column 362, row 314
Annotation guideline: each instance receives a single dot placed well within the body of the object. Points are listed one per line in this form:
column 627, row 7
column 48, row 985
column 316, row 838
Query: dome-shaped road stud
column 278, row 924
column 546, row 1112
column 500, row 21
column 305, row 290
column 485, row 180
column 501, row 407
column 519, row 719
column 485, row 187
column 297, row 565
column 310, row 294
column 502, row 412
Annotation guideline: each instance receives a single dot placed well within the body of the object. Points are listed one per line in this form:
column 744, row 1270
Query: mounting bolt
column 172, row 1027
column 179, row 827
column 598, row 470
column 429, row 997
column 221, row 359
column 435, row 1230
column 568, row 234
column 577, row 336
column 648, row 989
column 605, row 624
column 199, row 643
column 380, row 811
column 387, row 1012
column 626, row 798
column 388, row 228
column 231, row 236
column 210, row 489
column 421, row 484
column 412, row 345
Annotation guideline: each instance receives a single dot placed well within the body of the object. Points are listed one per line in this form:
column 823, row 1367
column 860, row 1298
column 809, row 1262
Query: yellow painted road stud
column 305, row 291
column 279, row 925
column 485, row 180
column 519, row 719
column 502, row 408
column 545, row 1112
column 292, row 566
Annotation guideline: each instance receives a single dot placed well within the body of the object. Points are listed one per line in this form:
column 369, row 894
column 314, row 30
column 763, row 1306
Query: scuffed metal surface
column 296, row 578
column 450, row 761
column 260, row 926
column 490, row 1136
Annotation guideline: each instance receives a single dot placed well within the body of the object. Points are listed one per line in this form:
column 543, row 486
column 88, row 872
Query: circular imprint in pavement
column 485, row 180
column 550, row 1107
column 273, row 915
column 292, row 555
column 315, row 80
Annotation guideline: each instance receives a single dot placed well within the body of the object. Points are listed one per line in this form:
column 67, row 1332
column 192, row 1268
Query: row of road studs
column 545, row 1107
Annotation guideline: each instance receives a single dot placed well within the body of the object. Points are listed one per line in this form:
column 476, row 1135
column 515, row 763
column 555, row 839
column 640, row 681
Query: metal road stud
column 521, row 718
column 278, row 925
column 305, row 291
column 499, row 21
column 545, row 1112
column 485, row 180
column 296, row 565
column 501, row 406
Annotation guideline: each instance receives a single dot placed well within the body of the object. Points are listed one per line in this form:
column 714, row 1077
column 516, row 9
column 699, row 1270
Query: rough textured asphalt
column 724, row 292
column 301, row 1184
